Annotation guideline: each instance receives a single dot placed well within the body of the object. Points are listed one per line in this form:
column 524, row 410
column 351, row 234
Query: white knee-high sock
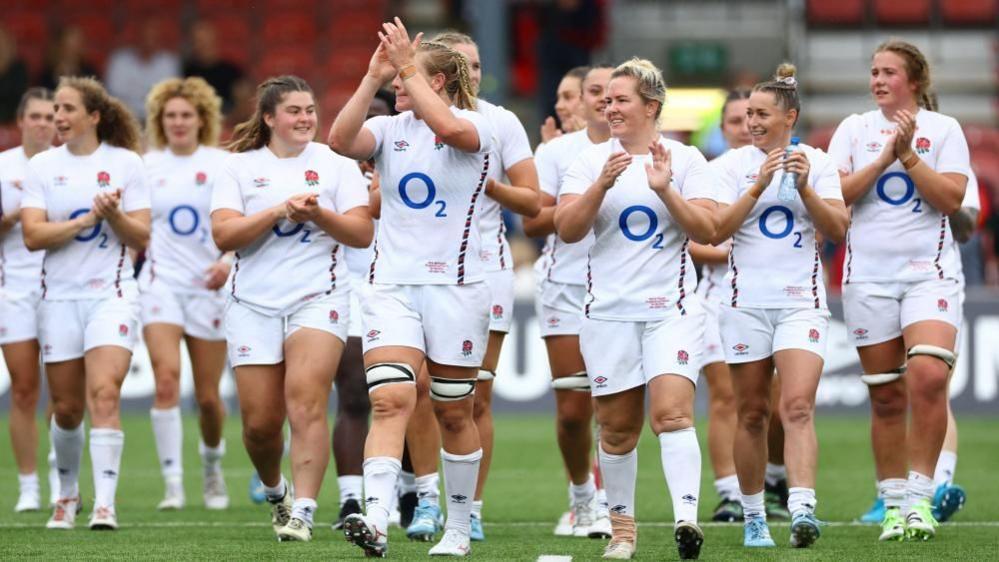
column 351, row 488
column 428, row 487
column 460, row 474
column 68, row 446
column 380, row 474
column 619, row 473
column 105, row 457
column 211, row 457
column 946, row 466
column 168, row 433
column 681, row 458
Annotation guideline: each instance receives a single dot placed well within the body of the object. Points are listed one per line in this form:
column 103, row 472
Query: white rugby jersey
column 895, row 235
column 639, row 268
column 511, row 147
column 428, row 233
column 20, row 268
column 181, row 248
column 359, row 259
column 972, row 200
column 774, row 261
column 95, row 264
column 294, row 262
column 562, row 262
column 709, row 287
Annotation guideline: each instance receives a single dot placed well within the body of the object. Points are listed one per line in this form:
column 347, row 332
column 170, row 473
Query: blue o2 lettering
column 788, row 222
column 93, row 232
column 653, row 224
column 184, row 227
column 426, row 201
column 306, row 233
column 910, row 190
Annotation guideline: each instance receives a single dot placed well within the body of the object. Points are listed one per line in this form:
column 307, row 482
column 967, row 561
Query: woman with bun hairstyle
column 86, row 204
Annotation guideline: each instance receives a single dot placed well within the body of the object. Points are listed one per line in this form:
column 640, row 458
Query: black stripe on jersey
column 849, row 258
column 463, row 248
column 121, row 265
column 374, row 260
column 235, row 272
column 333, row 268
column 589, row 286
column 683, row 273
column 815, row 276
column 735, row 275
column 940, row 246
column 499, row 241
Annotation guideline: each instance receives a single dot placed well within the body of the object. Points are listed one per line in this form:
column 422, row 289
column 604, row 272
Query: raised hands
column 660, row 171
column 303, row 207
column 395, row 43
column 773, row 162
column 615, row 165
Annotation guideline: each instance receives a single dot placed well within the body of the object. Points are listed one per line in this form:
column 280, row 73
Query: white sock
column 105, row 457
column 892, row 491
column 801, row 499
column 584, row 492
column 274, row 494
column 68, row 446
column 775, row 473
column 477, row 509
column 753, row 507
column 380, row 474
column 728, row 487
column 53, row 474
column 428, row 488
column 681, row 459
column 168, row 434
column 918, row 487
column 407, row 482
column 460, row 475
column 211, row 457
column 619, row 473
column 28, row 483
column 946, row 465
column 602, row 498
column 351, row 488
column 304, row 509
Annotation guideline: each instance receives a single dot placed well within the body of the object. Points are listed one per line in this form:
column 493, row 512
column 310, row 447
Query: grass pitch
column 526, row 494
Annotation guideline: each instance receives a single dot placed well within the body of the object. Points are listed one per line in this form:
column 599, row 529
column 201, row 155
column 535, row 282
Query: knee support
column 878, row 379
column 941, row 353
column 486, row 375
column 577, row 381
column 388, row 373
column 450, row 390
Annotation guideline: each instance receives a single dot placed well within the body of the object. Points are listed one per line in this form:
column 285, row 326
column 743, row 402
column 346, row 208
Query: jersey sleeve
column 135, row 195
column 378, row 126
column 547, row 167
column 954, row 157
column 34, row 189
column 698, row 181
column 352, row 190
column 225, row 192
column 580, row 175
column 824, row 176
column 514, row 145
column 841, row 145
column 724, row 177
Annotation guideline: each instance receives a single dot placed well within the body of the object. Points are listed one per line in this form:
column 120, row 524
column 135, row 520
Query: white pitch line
column 253, row 524
column 554, row 558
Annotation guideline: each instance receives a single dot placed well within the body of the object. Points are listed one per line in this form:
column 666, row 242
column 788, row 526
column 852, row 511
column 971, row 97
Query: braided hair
column 439, row 58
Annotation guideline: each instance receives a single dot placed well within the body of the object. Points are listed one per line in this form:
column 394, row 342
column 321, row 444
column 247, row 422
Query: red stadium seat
column 837, row 12
column 169, row 32
column 287, row 60
column 106, row 7
column 98, row 31
column 902, row 12
column 354, row 28
column 292, row 29
column 29, row 29
column 969, row 12
column 286, row 7
column 227, row 8
column 347, row 64
column 819, row 137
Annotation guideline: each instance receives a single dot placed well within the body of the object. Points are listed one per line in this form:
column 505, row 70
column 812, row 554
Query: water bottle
column 789, row 180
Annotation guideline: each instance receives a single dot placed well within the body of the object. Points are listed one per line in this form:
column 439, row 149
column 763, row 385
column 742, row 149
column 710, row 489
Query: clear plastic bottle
column 789, row 180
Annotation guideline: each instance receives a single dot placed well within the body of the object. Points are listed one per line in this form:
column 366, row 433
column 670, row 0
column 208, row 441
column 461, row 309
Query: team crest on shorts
column 334, row 317
column 155, row 310
column 813, row 335
column 741, row 349
column 200, row 179
column 261, row 182
column 942, row 305
column 122, row 330
column 922, row 145
column 311, row 178
column 497, row 312
column 466, row 348
column 554, row 321
column 103, row 179
column 682, row 357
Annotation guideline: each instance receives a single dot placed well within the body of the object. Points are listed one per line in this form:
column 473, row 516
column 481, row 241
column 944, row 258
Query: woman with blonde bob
column 86, row 204
column 180, row 281
column 644, row 197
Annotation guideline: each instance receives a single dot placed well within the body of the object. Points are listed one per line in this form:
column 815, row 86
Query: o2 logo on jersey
column 427, row 200
column 306, row 232
column 103, row 179
column 311, row 178
column 184, row 220
column 200, row 179
column 886, row 194
column 91, row 233
column 652, row 224
column 766, row 223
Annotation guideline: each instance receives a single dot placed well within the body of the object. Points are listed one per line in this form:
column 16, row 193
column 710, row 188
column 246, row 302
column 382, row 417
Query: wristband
column 911, row 162
column 407, row 72
column 227, row 258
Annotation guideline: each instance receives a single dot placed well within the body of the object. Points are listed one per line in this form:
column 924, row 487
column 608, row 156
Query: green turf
column 526, row 494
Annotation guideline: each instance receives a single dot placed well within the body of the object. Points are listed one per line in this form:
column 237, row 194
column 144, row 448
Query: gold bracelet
column 911, row 162
column 407, row 72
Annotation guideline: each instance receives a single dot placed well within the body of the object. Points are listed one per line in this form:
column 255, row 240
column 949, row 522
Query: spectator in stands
column 64, row 57
column 13, row 77
column 204, row 61
column 134, row 69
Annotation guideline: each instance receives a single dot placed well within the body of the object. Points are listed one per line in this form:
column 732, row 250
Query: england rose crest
column 942, row 305
column 682, row 357
column 497, row 312
column 922, row 145
column 122, row 330
column 813, row 335
column 334, row 317
column 200, row 178
column 103, row 179
column 466, row 348
column 311, row 178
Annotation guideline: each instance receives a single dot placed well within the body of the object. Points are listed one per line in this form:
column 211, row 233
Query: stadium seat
column 170, row 37
column 232, row 31
column 969, row 12
column 287, row 7
column 158, row 8
column 819, row 137
column 905, row 12
column 29, row 29
column 90, row 7
column 347, row 63
column 836, row 13
column 354, row 28
column 227, row 8
column 286, row 60
column 291, row 29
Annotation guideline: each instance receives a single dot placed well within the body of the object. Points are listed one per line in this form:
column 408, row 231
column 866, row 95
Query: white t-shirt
column 774, row 261
column 639, row 268
column 428, row 233
column 20, row 268
column 562, row 262
column 95, row 264
column 709, row 287
column 294, row 262
column 511, row 148
column 894, row 234
column 181, row 248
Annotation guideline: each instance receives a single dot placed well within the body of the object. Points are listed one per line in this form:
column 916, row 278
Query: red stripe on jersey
column 683, row 273
column 589, row 287
column 551, row 256
column 235, row 272
column 849, row 259
column 735, row 275
column 374, row 260
column 940, row 246
column 815, row 276
column 336, row 247
column 117, row 273
column 463, row 248
column 499, row 240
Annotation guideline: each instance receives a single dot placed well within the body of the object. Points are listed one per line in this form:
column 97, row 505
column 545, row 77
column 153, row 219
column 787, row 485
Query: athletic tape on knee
column 878, row 379
column 941, row 353
column 388, row 373
column 485, row 375
column 577, row 381
column 450, row 390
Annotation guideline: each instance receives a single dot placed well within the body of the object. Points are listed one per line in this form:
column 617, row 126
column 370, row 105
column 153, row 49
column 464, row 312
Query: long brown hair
column 254, row 132
column 917, row 69
column 117, row 126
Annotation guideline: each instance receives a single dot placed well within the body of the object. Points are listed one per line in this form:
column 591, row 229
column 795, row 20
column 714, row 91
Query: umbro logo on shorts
column 741, row 349
column 553, row 321
column 601, row 381
column 373, row 335
column 244, row 350
column 261, row 182
column 860, row 333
